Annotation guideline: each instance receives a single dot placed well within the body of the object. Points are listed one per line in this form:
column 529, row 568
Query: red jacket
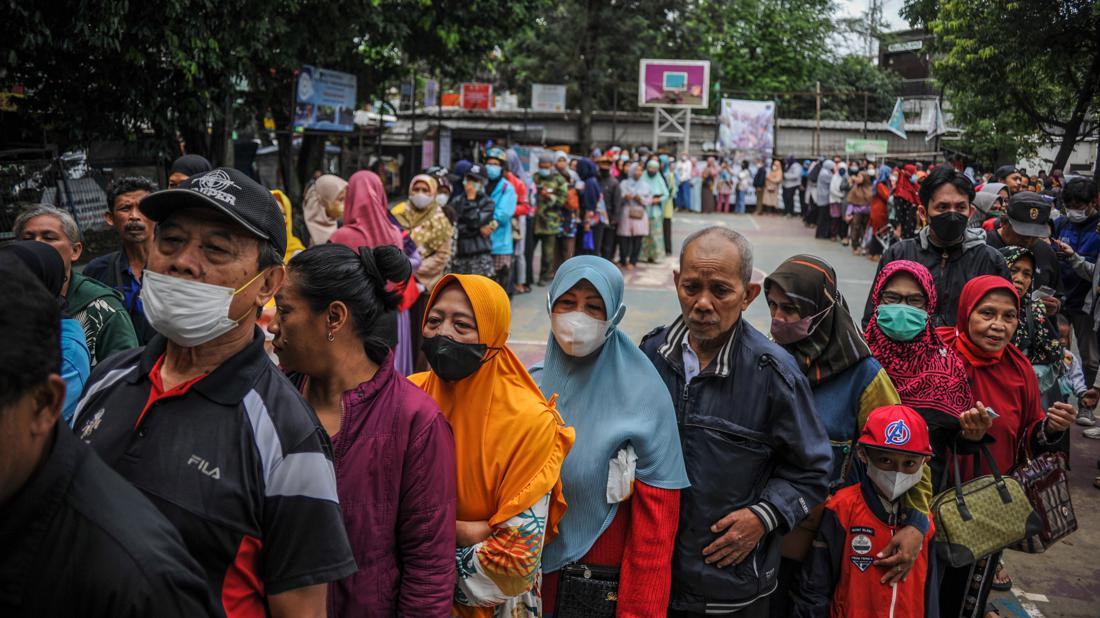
column 839, row 578
column 523, row 206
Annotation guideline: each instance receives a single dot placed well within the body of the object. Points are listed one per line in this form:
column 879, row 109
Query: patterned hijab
column 927, row 373
column 834, row 343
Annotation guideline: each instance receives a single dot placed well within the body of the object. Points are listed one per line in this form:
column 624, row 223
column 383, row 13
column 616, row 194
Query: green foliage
column 1019, row 70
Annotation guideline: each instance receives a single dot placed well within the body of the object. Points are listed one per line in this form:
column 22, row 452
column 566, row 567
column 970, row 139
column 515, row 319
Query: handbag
column 982, row 516
column 637, row 212
column 1046, row 485
column 586, row 591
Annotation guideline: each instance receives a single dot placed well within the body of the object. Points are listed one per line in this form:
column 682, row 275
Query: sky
column 890, row 14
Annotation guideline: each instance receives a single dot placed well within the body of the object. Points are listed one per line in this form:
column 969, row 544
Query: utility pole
column 817, row 118
column 864, row 115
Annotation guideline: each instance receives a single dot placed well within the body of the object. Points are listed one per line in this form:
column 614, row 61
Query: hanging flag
column 937, row 126
column 896, row 123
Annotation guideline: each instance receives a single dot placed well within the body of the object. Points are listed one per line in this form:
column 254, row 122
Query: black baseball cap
column 1029, row 214
column 230, row 192
column 477, row 171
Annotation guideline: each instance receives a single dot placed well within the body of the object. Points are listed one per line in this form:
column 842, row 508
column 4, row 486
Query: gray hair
column 744, row 247
column 68, row 224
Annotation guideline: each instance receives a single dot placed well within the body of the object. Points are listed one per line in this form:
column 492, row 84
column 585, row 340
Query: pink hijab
column 366, row 222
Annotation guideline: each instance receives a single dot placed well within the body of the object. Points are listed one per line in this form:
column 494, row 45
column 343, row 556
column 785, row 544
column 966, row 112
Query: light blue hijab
column 612, row 397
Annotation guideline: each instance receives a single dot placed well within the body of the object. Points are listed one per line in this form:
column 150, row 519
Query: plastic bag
column 620, row 475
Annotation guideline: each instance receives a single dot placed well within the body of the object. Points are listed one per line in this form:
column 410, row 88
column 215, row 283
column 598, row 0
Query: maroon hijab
column 926, row 372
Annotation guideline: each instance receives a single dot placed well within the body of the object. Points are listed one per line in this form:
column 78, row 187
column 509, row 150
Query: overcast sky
column 856, row 8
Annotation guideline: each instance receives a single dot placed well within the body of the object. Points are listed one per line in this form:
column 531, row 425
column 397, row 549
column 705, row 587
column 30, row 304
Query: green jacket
column 99, row 309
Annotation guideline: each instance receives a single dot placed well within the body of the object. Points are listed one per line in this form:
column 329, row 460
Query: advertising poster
column 548, row 97
column 477, row 96
column 747, row 126
column 674, row 83
column 325, row 100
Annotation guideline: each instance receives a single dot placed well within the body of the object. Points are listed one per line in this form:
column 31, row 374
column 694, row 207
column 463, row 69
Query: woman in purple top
column 394, row 451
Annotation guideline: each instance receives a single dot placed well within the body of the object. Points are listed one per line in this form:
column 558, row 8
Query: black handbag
column 586, row 591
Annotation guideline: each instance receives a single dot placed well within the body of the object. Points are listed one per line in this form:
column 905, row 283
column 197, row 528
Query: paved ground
column 1064, row 582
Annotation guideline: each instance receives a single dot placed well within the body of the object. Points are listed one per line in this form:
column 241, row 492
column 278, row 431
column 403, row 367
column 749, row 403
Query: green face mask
column 901, row 322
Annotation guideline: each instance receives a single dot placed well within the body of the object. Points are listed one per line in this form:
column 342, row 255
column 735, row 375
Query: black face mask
column 949, row 227
column 451, row 360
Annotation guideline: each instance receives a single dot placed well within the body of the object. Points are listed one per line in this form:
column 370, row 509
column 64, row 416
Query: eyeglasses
column 913, row 300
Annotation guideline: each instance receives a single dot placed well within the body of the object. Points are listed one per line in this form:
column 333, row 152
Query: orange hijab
column 510, row 442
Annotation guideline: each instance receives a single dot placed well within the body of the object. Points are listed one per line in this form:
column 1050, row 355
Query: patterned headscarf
column 927, row 373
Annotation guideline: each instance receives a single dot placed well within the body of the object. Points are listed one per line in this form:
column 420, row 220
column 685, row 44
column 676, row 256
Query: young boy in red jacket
column 839, row 577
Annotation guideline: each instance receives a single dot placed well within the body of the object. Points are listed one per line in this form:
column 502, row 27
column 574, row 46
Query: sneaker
column 1085, row 417
column 1093, row 433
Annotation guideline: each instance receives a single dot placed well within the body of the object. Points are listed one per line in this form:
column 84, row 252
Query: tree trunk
column 584, row 123
column 310, row 156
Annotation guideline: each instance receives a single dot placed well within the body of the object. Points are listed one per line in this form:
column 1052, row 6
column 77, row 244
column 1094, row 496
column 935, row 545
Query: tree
column 1033, row 67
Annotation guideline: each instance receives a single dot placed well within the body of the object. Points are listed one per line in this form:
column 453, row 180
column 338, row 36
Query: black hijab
column 190, row 165
column 41, row 259
column 834, row 343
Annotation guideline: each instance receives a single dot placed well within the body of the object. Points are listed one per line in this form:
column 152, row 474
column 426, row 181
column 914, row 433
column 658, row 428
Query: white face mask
column 892, row 484
column 578, row 333
column 442, row 199
column 189, row 313
column 1077, row 216
column 420, row 201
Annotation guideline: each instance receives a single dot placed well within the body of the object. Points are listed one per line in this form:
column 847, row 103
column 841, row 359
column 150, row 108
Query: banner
column 431, row 91
column 747, row 126
column 477, row 96
column 896, row 123
column 937, row 126
column 674, row 83
column 325, row 100
column 547, row 97
column 865, row 146
column 427, row 153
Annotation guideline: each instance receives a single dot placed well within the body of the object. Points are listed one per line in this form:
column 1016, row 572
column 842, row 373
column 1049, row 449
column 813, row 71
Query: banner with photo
column 747, row 126
column 325, row 100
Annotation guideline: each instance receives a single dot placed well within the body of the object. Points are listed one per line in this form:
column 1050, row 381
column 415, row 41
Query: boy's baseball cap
column 896, row 428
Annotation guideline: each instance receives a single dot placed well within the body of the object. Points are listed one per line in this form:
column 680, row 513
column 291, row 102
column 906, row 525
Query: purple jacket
column 395, row 476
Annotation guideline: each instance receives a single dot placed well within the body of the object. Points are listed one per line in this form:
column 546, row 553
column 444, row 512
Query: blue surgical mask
column 663, row 159
column 492, row 171
column 624, row 157
column 544, row 172
column 914, row 179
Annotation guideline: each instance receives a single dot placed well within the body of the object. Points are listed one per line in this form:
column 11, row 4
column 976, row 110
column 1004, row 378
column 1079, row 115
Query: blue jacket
column 751, row 439
column 1085, row 241
column 76, row 365
column 504, row 200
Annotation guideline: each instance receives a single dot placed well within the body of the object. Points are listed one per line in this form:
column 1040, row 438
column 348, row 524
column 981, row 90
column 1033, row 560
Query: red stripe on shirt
column 242, row 588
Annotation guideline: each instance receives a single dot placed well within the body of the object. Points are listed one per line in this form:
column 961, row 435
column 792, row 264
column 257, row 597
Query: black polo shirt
column 236, row 460
column 78, row 540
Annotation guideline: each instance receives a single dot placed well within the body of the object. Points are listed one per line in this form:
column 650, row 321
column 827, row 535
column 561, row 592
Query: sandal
column 1006, row 582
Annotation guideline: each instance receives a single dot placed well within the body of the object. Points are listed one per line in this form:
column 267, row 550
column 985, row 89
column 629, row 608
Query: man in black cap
column 77, row 539
column 1011, row 177
column 1026, row 223
column 205, row 424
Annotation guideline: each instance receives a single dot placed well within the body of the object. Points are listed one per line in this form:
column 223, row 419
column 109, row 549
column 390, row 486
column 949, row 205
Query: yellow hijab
column 510, row 441
column 293, row 244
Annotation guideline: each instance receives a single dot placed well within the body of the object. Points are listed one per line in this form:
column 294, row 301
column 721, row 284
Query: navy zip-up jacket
column 751, row 439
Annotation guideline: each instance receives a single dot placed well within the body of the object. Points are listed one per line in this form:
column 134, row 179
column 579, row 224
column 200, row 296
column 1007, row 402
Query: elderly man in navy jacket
column 756, row 454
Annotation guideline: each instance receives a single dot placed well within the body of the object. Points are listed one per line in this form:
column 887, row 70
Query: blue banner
column 896, row 123
column 325, row 100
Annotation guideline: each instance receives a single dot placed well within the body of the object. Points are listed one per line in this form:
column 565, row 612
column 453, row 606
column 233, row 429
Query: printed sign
column 865, row 146
column 548, row 97
column 477, row 96
column 325, row 100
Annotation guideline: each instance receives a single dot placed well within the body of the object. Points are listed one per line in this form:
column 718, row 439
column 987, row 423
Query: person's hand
column 486, row 230
column 470, row 533
column 1051, row 304
column 1059, row 417
column 975, row 422
column 1063, row 248
column 740, row 531
column 899, row 555
column 1090, row 398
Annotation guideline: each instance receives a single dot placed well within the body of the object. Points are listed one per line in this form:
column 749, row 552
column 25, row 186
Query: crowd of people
column 400, row 460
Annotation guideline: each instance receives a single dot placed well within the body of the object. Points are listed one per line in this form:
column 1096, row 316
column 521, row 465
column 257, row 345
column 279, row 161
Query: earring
column 331, row 337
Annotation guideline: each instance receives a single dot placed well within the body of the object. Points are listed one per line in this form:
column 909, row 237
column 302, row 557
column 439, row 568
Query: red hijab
column 906, row 190
column 928, row 374
column 1003, row 381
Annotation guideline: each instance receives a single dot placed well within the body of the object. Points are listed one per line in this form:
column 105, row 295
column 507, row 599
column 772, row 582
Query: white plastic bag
column 620, row 475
